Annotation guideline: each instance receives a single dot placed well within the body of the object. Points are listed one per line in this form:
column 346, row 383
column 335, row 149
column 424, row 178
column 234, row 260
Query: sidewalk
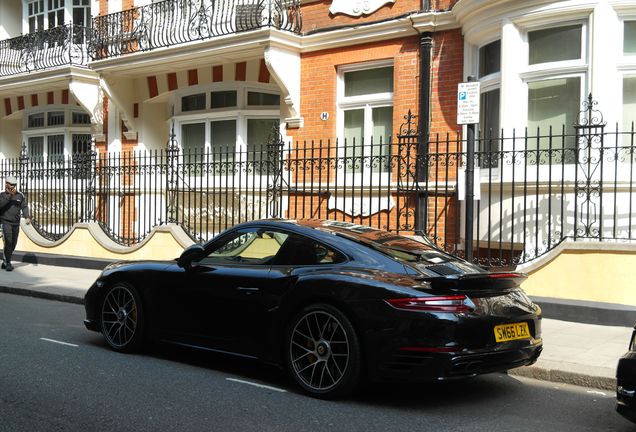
column 574, row 353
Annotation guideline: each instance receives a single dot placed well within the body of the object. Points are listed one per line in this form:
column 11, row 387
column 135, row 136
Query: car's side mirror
column 192, row 253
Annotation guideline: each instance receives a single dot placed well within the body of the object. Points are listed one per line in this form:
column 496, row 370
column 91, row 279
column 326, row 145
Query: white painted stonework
column 358, row 7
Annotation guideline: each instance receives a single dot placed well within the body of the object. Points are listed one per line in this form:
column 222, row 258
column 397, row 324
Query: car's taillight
column 453, row 303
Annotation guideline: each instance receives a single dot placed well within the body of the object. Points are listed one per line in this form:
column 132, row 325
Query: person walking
column 13, row 205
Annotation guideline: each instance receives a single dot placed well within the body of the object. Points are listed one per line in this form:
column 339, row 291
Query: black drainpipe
column 426, row 46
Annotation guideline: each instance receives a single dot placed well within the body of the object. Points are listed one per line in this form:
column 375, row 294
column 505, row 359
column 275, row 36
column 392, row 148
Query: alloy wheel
column 119, row 317
column 319, row 350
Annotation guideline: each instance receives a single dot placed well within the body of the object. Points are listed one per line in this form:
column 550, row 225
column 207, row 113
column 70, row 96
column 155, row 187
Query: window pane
column 192, row 139
column 369, row 81
column 81, row 118
column 262, row 99
column 629, row 38
column 258, row 134
column 490, row 58
column 553, row 103
column 223, row 99
column 555, row 44
column 36, row 120
column 629, row 103
column 36, row 148
column 298, row 250
column 55, row 148
column 193, row 102
column 223, row 141
column 353, row 133
column 247, row 248
column 489, row 127
column 382, row 130
column 55, row 118
column 81, row 144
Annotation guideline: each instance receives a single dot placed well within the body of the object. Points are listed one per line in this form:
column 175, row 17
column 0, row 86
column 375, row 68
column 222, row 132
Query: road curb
column 565, row 377
column 42, row 294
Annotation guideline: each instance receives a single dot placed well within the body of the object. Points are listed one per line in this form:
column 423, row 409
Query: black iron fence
column 59, row 46
column 173, row 22
column 533, row 190
column 530, row 200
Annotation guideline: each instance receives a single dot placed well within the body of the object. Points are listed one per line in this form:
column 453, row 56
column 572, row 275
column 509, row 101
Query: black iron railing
column 174, row 22
column 533, row 190
column 60, row 46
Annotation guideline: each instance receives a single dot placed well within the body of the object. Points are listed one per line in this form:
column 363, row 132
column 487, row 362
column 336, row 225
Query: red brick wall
column 319, row 76
column 447, row 66
column 316, row 15
column 443, row 5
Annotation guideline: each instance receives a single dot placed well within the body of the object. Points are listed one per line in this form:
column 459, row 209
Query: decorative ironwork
column 588, row 156
column 175, row 22
column 65, row 45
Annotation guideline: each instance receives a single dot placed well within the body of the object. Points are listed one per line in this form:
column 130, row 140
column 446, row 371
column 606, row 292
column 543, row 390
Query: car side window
column 255, row 246
column 299, row 250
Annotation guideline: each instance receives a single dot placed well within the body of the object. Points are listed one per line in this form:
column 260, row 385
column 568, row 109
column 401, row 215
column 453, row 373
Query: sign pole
column 468, row 96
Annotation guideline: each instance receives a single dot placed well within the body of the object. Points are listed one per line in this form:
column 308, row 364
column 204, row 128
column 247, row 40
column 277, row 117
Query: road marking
column 59, row 342
column 594, row 392
column 257, row 385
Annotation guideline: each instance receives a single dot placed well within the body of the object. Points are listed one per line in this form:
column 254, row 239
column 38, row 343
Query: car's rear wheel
column 122, row 318
column 323, row 352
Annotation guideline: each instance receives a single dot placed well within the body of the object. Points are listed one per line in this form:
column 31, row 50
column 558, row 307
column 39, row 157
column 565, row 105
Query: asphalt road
column 57, row 376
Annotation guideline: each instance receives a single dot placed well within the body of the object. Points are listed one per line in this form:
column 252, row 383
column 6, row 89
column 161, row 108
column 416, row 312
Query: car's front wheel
column 323, row 352
column 122, row 318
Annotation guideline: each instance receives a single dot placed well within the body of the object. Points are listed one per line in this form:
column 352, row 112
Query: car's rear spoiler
column 477, row 281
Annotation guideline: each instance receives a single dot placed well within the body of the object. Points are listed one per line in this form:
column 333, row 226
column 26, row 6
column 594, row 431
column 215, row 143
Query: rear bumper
column 424, row 366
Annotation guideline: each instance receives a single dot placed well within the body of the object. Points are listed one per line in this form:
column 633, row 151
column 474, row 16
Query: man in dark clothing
column 12, row 205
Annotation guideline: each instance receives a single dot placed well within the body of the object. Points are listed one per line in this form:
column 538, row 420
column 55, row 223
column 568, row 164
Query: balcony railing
column 174, row 22
column 60, row 46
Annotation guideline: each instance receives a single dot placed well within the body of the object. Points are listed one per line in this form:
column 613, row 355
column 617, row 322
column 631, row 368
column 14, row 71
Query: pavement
column 574, row 353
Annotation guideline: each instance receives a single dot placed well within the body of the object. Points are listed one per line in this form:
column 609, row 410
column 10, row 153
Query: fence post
column 470, row 187
column 274, row 169
column 172, row 155
column 24, row 168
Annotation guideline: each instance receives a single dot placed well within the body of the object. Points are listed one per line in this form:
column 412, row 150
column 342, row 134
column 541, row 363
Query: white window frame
column 626, row 66
column 240, row 113
column 67, row 129
column 366, row 103
column 68, row 14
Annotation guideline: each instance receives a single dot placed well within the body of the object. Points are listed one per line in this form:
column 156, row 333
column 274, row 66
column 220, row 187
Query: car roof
column 326, row 229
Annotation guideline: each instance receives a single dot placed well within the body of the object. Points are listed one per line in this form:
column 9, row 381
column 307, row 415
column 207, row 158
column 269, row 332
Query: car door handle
column 248, row 290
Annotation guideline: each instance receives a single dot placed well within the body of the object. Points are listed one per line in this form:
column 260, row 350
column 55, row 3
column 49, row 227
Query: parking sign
column 468, row 103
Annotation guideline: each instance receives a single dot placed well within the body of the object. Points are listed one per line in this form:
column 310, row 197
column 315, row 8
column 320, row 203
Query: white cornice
column 386, row 30
column 48, row 80
column 480, row 19
column 217, row 50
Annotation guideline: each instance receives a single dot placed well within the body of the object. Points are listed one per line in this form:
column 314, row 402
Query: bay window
column 53, row 134
column 222, row 126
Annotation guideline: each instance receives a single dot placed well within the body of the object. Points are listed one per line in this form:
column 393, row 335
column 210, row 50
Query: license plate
column 508, row 332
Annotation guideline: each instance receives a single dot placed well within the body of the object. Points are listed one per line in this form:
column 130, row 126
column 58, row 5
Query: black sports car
column 333, row 302
column 626, row 382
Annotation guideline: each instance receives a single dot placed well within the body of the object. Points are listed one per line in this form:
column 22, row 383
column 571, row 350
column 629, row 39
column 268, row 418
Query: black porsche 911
column 333, row 302
column 626, row 382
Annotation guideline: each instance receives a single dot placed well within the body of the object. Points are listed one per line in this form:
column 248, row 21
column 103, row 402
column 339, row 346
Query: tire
column 322, row 352
column 122, row 318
